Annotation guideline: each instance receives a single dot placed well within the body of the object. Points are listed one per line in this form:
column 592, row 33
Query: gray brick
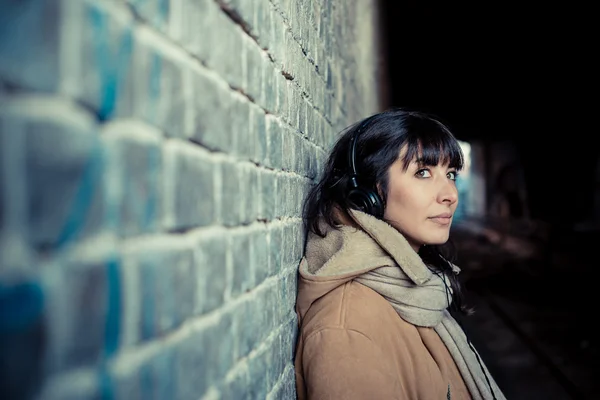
column 258, row 382
column 261, row 254
column 310, row 123
column 281, row 92
column 282, row 188
column 222, row 118
column 232, row 193
column 311, row 160
column 214, row 107
column 275, row 359
column 263, row 308
column 328, row 105
column 288, row 389
column 228, row 57
column 29, row 44
column 277, row 38
column 78, row 299
column 192, row 377
column 167, row 284
column 236, row 386
column 241, row 244
column 258, row 124
column 65, row 166
column 294, row 99
column 313, row 81
column 139, row 178
column 156, row 12
column 288, row 243
column 107, row 73
column 256, row 63
column 321, row 160
column 211, row 263
column 161, row 80
column 301, row 127
column 275, row 248
column 189, row 186
column 245, row 133
column 329, row 75
column 288, row 156
column 79, row 384
column 262, row 21
column 249, row 176
column 205, row 357
column 156, row 377
column 252, row 322
column 269, row 88
column 152, row 378
column 274, row 137
column 298, row 191
column 289, row 204
column 299, row 239
column 288, row 299
column 245, row 328
column 268, row 187
column 299, row 159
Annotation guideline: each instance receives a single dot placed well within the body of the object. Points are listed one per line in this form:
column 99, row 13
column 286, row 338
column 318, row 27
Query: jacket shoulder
column 351, row 306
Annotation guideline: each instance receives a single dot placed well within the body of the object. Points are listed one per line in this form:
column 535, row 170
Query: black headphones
column 362, row 198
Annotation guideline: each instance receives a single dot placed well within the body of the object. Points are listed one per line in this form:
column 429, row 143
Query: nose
column 447, row 193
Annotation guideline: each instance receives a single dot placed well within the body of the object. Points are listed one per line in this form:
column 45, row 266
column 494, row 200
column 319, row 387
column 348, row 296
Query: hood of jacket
column 362, row 243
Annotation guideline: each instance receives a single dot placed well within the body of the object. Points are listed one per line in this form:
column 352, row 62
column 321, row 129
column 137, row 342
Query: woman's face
column 421, row 201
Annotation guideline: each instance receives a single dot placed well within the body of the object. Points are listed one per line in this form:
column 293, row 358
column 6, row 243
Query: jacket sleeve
column 346, row 364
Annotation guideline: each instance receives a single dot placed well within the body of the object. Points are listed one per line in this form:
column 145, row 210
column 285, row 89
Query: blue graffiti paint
column 113, row 68
column 113, row 312
column 105, row 384
column 152, row 189
column 84, row 195
column 21, row 306
column 19, row 27
column 147, row 383
column 163, row 11
column 148, row 280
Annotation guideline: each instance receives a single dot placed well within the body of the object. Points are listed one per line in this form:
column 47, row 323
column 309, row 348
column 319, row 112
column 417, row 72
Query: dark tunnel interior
column 510, row 72
column 519, row 74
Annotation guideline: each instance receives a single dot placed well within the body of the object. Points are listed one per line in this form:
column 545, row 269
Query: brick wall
column 154, row 156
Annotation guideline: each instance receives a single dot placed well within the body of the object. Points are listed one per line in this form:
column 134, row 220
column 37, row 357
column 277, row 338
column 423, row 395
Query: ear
column 379, row 191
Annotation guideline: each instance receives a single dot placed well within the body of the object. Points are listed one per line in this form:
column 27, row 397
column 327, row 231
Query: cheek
column 399, row 203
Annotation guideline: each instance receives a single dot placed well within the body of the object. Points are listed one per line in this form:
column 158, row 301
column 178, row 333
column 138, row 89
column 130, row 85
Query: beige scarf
column 421, row 298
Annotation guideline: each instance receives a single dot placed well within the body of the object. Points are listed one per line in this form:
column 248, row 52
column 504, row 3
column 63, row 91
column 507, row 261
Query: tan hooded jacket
column 352, row 344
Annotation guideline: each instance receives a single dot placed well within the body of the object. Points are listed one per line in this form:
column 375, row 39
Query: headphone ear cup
column 366, row 200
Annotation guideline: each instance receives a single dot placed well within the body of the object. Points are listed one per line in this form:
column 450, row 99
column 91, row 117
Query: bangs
column 430, row 144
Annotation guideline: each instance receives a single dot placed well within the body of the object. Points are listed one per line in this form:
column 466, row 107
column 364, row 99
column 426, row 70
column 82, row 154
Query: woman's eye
column 452, row 175
column 423, row 173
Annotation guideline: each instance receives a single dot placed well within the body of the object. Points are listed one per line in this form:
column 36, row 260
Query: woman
column 374, row 290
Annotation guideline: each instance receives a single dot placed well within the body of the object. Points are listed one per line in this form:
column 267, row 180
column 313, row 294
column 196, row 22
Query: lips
column 444, row 215
column 442, row 219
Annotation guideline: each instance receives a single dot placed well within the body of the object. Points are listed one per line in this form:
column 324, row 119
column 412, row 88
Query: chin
column 437, row 240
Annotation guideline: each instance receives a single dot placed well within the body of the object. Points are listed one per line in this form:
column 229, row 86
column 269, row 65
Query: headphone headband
column 362, row 198
column 352, row 147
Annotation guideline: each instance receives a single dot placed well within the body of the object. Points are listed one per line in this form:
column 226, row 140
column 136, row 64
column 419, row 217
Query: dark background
column 500, row 71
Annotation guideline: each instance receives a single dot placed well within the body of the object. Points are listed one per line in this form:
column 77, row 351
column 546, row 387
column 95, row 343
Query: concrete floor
column 534, row 293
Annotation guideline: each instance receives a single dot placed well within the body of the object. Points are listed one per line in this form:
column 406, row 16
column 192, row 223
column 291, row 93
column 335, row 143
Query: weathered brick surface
column 154, row 158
